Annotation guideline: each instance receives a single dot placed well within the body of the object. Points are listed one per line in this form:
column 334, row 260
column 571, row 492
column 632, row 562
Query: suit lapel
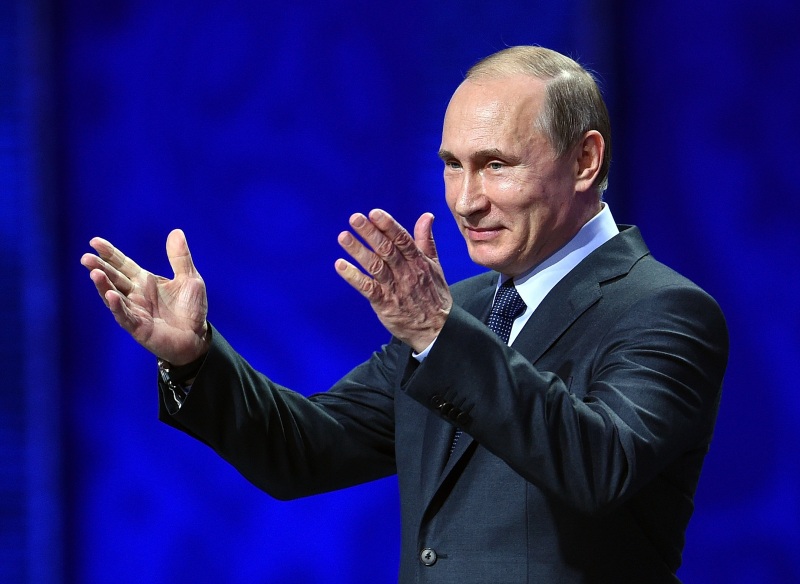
column 557, row 312
column 578, row 291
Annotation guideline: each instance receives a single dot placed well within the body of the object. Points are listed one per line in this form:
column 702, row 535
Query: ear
column 588, row 159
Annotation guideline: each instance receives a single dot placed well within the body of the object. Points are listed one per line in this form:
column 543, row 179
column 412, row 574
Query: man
column 570, row 455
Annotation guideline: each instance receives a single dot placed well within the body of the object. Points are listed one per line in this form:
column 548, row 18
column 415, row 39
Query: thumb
column 178, row 253
column 423, row 236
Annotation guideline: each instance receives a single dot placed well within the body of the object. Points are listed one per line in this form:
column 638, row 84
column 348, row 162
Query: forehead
column 498, row 111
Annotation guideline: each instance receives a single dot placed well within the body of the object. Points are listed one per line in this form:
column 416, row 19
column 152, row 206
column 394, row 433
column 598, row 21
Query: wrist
column 191, row 354
column 180, row 375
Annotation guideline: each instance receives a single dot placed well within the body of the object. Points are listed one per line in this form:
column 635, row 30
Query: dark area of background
column 259, row 127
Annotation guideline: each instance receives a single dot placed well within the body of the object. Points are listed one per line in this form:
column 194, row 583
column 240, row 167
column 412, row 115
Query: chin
column 486, row 260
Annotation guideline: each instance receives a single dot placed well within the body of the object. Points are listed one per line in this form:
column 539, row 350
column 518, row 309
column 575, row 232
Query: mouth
column 481, row 233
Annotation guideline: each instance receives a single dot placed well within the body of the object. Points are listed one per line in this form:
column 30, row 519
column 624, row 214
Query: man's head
column 526, row 149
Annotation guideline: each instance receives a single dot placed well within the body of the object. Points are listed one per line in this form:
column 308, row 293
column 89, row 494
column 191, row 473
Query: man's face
column 514, row 202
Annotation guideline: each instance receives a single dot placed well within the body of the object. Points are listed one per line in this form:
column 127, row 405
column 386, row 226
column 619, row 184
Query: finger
column 356, row 278
column 395, row 233
column 117, row 302
column 377, row 240
column 179, row 256
column 423, row 236
column 116, row 258
column 120, row 308
column 101, row 283
column 119, row 280
column 373, row 264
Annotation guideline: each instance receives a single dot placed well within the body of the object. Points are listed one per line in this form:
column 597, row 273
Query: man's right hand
column 166, row 317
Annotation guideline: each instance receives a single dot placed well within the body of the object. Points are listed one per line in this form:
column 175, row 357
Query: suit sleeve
column 651, row 391
column 286, row 444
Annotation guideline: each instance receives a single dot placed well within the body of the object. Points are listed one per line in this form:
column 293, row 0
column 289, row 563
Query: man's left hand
column 404, row 282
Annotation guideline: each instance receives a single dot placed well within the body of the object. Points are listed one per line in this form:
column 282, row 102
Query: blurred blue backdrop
column 259, row 127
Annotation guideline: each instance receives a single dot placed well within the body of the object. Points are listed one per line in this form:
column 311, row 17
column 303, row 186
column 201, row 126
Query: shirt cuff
column 421, row 356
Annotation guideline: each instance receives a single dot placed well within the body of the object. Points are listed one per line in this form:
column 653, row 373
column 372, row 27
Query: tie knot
column 508, row 305
column 508, row 302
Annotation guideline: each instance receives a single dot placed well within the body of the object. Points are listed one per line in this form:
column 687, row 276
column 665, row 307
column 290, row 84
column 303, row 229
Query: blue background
column 258, row 127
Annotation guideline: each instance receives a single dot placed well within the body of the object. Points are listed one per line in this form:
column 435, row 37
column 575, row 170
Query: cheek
column 450, row 189
column 449, row 194
column 513, row 200
column 450, row 201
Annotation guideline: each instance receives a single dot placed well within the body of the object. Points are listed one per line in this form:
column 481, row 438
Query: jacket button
column 428, row 557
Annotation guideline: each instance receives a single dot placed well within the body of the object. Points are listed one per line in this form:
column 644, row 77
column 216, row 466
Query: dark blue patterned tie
column 508, row 305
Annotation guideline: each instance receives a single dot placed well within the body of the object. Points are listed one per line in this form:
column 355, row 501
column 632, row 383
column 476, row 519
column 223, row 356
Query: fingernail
column 377, row 214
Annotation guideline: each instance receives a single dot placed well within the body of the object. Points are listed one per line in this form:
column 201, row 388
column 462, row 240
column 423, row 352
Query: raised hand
column 167, row 317
column 404, row 282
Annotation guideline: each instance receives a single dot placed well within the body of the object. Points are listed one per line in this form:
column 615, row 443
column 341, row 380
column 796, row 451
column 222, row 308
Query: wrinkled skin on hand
column 404, row 281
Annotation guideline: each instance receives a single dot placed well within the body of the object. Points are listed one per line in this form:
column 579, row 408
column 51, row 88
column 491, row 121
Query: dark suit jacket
column 583, row 441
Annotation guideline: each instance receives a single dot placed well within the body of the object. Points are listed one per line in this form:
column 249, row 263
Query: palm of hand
column 167, row 317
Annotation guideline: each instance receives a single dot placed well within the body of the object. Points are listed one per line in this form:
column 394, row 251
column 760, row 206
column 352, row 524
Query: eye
column 453, row 164
column 495, row 165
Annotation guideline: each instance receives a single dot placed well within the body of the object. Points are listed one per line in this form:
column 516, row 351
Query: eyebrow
column 486, row 153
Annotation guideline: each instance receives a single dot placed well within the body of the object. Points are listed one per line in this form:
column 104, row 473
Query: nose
column 469, row 195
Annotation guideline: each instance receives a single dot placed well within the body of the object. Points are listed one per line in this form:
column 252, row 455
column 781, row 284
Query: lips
column 482, row 233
